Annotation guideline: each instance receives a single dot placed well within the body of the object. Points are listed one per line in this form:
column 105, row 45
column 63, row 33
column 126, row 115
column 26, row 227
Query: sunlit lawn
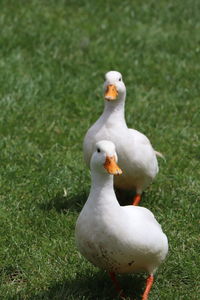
column 53, row 56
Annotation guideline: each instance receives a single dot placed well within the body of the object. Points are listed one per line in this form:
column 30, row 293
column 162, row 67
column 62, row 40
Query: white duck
column 119, row 239
column 135, row 152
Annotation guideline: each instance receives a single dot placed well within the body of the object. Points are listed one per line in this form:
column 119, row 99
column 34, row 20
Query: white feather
column 136, row 155
column 120, row 239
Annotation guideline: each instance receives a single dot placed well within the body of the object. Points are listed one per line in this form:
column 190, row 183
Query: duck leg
column 149, row 284
column 136, row 199
column 117, row 285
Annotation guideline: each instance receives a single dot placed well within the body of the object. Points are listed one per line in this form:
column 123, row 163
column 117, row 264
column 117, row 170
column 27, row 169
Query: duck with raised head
column 119, row 239
column 135, row 152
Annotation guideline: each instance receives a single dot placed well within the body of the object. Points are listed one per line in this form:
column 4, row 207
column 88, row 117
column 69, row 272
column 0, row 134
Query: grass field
column 53, row 56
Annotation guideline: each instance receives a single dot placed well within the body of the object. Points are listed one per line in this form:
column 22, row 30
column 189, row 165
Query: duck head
column 104, row 158
column 114, row 87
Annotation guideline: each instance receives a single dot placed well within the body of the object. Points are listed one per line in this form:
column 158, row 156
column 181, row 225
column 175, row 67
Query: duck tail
column 160, row 155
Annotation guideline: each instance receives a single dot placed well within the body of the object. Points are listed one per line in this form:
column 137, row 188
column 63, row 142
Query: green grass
column 53, row 56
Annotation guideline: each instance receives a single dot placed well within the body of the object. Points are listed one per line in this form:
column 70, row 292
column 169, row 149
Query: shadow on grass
column 124, row 197
column 62, row 203
column 98, row 287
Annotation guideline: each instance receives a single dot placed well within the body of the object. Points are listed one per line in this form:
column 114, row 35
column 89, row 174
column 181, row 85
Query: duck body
column 136, row 155
column 120, row 239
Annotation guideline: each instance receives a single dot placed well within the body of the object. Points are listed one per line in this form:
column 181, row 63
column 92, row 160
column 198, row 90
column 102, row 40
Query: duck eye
column 98, row 150
column 120, row 79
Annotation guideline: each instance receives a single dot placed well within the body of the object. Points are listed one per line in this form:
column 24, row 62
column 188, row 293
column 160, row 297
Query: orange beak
column 111, row 166
column 111, row 92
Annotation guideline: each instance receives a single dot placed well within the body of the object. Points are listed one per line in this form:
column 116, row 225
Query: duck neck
column 114, row 110
column 102, row 187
